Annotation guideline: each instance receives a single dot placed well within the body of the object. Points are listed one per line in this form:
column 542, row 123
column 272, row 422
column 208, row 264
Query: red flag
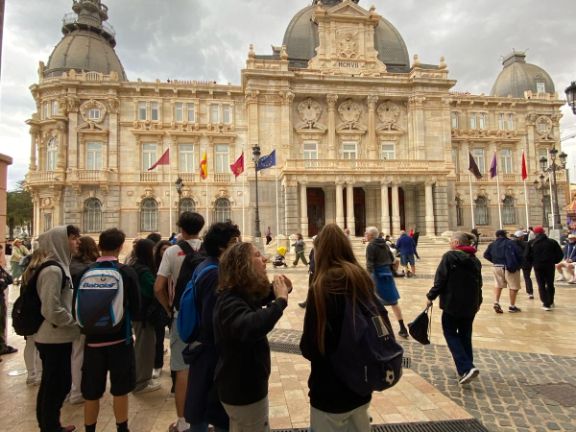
column 164, row 160
column 524, row 169
column 238, row 166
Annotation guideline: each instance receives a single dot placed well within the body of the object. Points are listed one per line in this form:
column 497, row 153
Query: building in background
column 4, row 162
column 363, row 136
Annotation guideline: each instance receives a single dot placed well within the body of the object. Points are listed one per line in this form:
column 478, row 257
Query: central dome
column 301, row 40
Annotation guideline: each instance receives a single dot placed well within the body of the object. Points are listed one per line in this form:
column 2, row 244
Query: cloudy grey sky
column 209, row 39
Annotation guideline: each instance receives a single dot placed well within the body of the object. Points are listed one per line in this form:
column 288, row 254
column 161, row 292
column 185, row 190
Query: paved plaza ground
column 527, row 362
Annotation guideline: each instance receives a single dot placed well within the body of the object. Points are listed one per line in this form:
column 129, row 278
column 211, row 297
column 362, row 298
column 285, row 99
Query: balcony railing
column 38, row 177
column 188, row 178
column 149, row 177
column 221, row 178
column 365, row 164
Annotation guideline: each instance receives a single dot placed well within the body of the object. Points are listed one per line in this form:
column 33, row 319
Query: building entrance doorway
column 359, row 212
column 316, row 210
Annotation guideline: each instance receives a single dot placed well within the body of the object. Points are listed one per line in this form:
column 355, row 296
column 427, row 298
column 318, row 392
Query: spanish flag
column 204, row 166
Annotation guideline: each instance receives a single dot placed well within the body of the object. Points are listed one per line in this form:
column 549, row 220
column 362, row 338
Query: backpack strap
column 198, row 274
column 34, row 279
column 185, row 246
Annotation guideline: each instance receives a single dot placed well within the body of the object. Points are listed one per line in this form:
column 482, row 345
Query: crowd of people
column 102, row 319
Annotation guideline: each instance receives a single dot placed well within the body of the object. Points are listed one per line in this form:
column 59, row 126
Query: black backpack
column 191, row 261
column 368, row 358
column 27, row 311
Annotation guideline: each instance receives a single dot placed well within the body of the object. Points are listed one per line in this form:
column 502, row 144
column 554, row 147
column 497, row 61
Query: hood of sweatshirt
column 380, row 242
column 55, row 243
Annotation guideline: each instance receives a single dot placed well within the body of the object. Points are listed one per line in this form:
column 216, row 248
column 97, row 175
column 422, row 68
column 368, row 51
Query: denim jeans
column 458, row 335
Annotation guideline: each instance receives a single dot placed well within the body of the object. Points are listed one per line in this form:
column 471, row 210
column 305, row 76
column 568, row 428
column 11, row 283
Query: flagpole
column 499, row 207
column 524, row 177
column 551, row 201
column 170, row 186
column 243, row 198
column 526, row 204
column 471, row 201
column 277, row 213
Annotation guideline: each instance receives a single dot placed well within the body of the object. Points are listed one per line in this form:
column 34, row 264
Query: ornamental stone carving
column 388, row 114
column 310, row 111
column 544, row 127
column 87, row 107
column 347, row 44
column 350, row 113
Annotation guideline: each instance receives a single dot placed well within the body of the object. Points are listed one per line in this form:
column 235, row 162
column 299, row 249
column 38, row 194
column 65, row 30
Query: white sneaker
column 152, row 386
column 76, row 400
column 34, row 380
column 469, row 376
column 156, row 373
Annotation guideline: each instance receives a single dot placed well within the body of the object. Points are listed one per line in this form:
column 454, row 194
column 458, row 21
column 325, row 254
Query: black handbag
column 421, row 328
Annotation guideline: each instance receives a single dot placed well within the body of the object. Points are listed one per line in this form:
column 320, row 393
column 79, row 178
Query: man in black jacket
column 458, row 282
column 543, row 253
column 520, row 238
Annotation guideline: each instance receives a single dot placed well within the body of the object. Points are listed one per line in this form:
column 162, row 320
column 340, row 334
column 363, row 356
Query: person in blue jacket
column 407, row 249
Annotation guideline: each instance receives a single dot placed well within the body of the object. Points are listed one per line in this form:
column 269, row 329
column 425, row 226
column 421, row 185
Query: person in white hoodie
column 59, row 329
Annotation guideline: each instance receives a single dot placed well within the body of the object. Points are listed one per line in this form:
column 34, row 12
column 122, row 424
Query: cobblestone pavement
column 508, row 395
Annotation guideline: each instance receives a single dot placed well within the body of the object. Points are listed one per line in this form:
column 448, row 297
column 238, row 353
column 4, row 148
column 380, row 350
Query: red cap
column 538, row 230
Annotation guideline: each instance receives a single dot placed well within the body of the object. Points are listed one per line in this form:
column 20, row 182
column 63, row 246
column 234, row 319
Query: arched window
column 481, row 211
column 149, row 215
column 187, row 205
column 51, row 154
column 92, row 215
column 222, row 210
column 459, row 212
column 508, row 211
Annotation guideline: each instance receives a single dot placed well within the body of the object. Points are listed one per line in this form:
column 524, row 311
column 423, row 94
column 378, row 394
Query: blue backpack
column 512, row 257
column 188, row 320
column 368, row 358
column 99, row 306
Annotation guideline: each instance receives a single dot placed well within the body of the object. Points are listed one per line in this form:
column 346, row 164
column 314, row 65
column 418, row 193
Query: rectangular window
column 94, row 156
column 455, row 120
column 540, row 87
column 191, row 113
column 222, row 164
column 51, row 155
column 349, row 150
column 455, row 160
column 54, row 108
column 310, row 150
column 510, row 121
column 501, row 122
column 142, row 111
column 473, row 124
column 148, row 156
column 154, row 111
column 186, row 158
column 94, row 114
column 482, row 120
column 227, row 114
column 178, row 115
column 45, row 111
column 387, row 151
column 214, row 113
column 478, row 155
column 506, row 160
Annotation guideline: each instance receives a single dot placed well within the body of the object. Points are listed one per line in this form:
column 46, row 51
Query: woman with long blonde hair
column 241, row 325
column 338, row 278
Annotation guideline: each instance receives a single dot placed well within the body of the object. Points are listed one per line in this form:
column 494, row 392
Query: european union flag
column 267, row 161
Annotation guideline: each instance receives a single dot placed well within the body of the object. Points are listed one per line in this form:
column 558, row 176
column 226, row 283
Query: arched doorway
column 316, row 210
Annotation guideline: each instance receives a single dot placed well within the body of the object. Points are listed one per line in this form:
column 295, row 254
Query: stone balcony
column 89, row 177
column 44, row 178
column 364, row 166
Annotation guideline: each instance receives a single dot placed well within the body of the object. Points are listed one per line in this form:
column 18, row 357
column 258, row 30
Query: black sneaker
column 514, row 309
column 469, row 376
column 498, row 308
column 302, row 305
column 403, row 333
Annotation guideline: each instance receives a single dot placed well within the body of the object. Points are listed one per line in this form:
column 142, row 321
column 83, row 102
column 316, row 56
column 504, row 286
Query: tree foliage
column 20, row 208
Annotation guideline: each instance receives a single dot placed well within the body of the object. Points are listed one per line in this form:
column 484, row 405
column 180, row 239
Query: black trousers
column 528, row 280
column 458, row 335
column 3, row 319
column 55, row 384
column 160, row 330
column 545, row 280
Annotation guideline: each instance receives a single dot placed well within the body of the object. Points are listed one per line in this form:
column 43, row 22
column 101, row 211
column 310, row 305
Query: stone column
column 303, row 210
column 285, row 122
column 350, row 221
column 111, row 159
column 291, row 206
column 430, row 228
column 395, row 210
column 339, row 205
column 385, row 211
column 252, row 117
column 33, row 147
column 372, row 152
column 331, row 100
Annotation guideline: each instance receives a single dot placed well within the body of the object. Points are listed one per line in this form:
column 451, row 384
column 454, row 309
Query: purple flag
column 493, row 167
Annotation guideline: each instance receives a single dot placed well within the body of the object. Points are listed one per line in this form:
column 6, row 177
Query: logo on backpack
column 188, row 320
column 368, row 358
column 99, row 304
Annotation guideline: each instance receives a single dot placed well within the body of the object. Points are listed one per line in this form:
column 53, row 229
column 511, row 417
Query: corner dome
column 88, row 43
column 301, row 40
column 518, row 77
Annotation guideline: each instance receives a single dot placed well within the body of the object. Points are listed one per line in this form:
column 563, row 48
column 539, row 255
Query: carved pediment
column 348, row 8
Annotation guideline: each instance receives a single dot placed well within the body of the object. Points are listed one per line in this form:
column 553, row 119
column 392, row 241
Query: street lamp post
column 179, row 185
column 542, row 184
column 553, row 167
column 257, row 234
column 571, row 96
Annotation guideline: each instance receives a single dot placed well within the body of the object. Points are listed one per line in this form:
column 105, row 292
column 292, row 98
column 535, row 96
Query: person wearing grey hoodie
column 59, row 329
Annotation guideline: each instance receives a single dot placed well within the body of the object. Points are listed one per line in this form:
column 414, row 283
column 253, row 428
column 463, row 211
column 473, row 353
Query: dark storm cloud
column 209, row 39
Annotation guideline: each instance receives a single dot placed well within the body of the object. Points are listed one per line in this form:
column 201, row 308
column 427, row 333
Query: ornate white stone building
column 362, row 135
